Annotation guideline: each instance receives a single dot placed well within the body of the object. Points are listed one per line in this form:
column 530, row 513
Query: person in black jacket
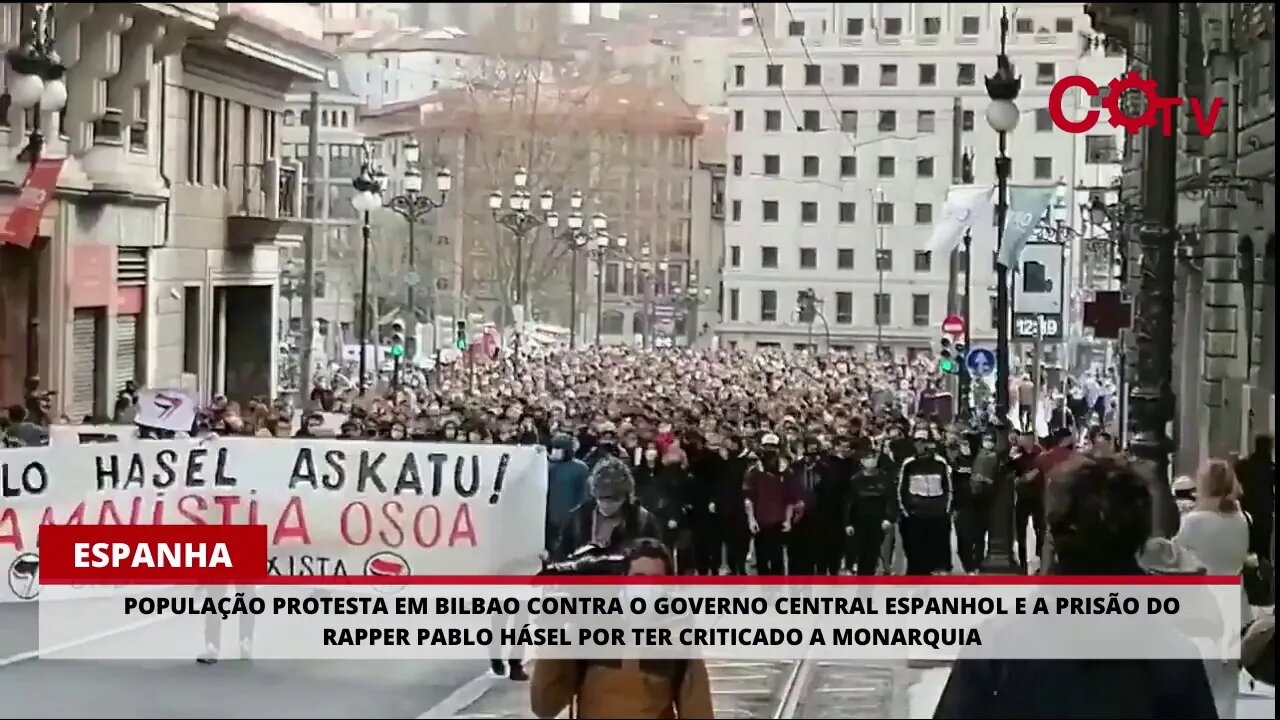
column 924, row 494
column 705, row 469
column 817, row 533
column 609, row 519
column 872, row 508
column 730, row 501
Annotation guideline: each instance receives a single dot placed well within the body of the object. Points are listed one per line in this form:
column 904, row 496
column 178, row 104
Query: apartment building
column 626, row 145
column 841, row 151
column 156, row 257
column 337, row 262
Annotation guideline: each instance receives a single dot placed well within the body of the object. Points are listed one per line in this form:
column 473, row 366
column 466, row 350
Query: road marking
column 463, row 697
column 60, row 647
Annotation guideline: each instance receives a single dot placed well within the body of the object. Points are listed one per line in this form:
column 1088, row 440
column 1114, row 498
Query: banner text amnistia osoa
column 354, row 507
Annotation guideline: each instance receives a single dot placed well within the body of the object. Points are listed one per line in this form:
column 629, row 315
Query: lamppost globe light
column 553, row 220
column 621, row 240
column 575, row 220
column 575, row 200
column 662, row 266
column 1002, row 115
column 599, row 221
column 444, row 180
column 54, row 97
column 516, row 201
column 495, row 200
column 412, row 152
column 644, row 251
column 412, row 181
column 580, row 240
column 26, row 90
column 520, row 178
column 380, row 178
column 364, row 201
column 547, row 201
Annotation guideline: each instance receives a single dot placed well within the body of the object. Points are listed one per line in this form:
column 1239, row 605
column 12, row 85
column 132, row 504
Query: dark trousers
column 500, row 623
column 832, row 548
column 1025, row 509
column 971, row 535
column 708, row 544
column 868, row 540
column 808, row 549
column 1027, row 418
column 737, row 542
column 926, row 541
column 213, row 623
column 770, row 543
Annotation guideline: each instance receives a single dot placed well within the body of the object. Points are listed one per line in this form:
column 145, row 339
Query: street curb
column 35, row 654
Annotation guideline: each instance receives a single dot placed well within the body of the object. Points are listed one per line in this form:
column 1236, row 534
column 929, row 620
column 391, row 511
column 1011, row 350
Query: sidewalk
column 923, row 695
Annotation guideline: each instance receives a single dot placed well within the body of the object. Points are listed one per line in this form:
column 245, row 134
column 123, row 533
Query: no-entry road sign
column 953, row 325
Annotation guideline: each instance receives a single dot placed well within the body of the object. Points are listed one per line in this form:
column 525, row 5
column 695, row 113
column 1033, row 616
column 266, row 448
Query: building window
column 995, row 313
column 884, row 260
column 808, row 258
column 1044, row 121
column 772, row 165
column 885, row 166
column 808, row 211
column 966, row 74
column 737, row 165
column 769, row 210
column 924, row 213
column 848, row 212
column 734, row 304
column 849, row 121
column 769, row 257
column 768, row 306
column 812, row 121
column 925, row 120
column 810, row 165
column 735, row 208
column 844, row 308
column 1046, row 74
column 888, row 76
column 1100, row 150
column 844, row 258
column 737, row 121
column 884, row 309
column 888, row 121
column 849, row 75
column 928, row 75
column 739, row 75
column 812, row 75
column 795, row 28
column 1064, row 25
column 773, row 75
column 191, row 330
column 932, row 25
column 848, row 166
column 924, row 167
column 893, row 26
column 735, row 256
column 884, row 213
column 1023, row 26
column 853, row 26
column 969, row 25
column 772, row 120
column 920, row 310
column 923, row 261
column 1044, row 168
column 1095, row 100
column 966, row 121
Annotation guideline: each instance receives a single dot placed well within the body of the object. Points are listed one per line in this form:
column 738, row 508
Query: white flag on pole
column 962, row 208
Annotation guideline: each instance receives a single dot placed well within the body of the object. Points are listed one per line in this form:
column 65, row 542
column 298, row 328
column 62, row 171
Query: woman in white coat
column 1217, row 533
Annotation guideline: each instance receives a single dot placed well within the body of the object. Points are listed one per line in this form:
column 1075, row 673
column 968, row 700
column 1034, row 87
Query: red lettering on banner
column 297, row 531
column 463, row 528
column 357, row 525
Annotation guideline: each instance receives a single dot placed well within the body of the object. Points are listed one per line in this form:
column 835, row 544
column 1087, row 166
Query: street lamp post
column 692, row 299
column 521, row 220
column 1002, row 116
column 414, row 207
column 368, row 185
column 649, row 274
column 577, row 240
column 881, row 263
column 36, row 83
column 601, row 253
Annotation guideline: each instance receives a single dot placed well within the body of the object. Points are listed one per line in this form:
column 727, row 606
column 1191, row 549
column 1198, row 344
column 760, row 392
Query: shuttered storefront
column 84, row 365
column 131, row 282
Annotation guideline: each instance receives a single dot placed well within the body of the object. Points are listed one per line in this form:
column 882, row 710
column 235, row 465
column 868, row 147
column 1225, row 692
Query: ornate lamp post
column 651, row 273
column 414, row 207
column 603, row 248
column 369, row 185
column 690, row 302
column 577, row 239
column 521, row 219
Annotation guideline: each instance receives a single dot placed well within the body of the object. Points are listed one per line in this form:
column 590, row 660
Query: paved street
column 65, row 689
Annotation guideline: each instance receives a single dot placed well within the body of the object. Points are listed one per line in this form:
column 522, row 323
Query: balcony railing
column 265, row 190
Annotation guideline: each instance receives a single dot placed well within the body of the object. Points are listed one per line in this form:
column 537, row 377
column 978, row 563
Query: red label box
column 152, row 554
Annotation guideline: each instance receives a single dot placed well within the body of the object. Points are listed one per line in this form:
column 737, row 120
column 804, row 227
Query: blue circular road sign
column 981, row 362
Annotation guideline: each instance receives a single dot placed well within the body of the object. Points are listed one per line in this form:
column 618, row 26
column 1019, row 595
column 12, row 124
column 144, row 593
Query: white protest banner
column 166, row 409
column 964, row 206
column 332, row 507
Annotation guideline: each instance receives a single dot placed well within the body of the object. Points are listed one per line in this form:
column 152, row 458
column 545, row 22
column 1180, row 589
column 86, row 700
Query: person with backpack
column 625, row 688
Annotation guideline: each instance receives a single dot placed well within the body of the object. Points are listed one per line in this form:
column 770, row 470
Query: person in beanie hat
column 610, row 518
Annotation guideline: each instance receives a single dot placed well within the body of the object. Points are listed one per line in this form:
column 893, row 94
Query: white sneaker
column 246, row 649
column 209, row 656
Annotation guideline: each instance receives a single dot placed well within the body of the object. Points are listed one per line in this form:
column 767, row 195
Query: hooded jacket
column 634, row 522
column 567, row 481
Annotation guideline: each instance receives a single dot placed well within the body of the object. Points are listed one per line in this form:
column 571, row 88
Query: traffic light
column 947, row 360
column 460, row 334
column 397, row 339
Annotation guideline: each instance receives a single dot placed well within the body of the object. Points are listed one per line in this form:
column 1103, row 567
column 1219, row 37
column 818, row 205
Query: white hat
column 770, row 439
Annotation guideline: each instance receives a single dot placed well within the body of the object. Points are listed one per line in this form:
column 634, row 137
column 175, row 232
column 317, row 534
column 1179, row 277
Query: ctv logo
column 1111, row 103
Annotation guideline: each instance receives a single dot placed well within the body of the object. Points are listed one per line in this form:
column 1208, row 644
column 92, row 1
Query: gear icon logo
column 1116, row 90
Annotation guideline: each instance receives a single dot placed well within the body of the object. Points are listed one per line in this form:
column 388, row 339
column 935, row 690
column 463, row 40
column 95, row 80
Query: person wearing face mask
column 772, row 497
column 625, row 688
column 872, row 508
column 610, row 517
column 925, row 496
column 818, row 520
column 966, row 507
column 704, row 468
column 831, row 500
column 567, row 486
column 449, row 431
column 397, row 431
column 730, row 500
column 606, row 446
